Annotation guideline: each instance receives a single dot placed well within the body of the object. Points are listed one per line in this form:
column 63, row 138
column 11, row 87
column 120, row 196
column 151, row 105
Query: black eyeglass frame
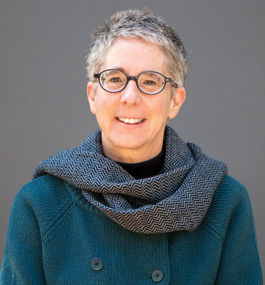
column 135, row 78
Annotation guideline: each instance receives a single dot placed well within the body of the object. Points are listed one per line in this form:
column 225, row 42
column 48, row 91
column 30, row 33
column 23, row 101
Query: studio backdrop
column 44, row 108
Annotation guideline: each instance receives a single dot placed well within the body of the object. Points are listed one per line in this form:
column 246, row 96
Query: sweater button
column 157, row 275
column 96, row 264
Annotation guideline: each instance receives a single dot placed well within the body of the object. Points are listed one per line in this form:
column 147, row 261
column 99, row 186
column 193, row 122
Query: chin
column 129, row 144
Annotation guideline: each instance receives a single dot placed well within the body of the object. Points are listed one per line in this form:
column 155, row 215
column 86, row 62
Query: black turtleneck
column 146, row 168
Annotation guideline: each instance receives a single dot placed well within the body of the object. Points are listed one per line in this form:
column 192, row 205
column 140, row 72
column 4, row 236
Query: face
column 132, row 122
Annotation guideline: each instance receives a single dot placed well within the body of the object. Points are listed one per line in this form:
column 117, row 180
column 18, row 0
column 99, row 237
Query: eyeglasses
column 149, row 82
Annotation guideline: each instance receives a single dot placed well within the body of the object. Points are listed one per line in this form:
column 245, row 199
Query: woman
column 133, row 204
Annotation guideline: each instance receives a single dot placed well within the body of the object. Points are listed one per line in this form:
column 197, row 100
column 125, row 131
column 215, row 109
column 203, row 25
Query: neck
column 127, row 155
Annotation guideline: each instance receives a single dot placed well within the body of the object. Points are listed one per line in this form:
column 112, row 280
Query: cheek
column 101, row 104
column 104, row 111
column 163, row 110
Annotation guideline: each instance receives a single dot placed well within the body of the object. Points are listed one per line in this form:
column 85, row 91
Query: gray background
column 43, row 85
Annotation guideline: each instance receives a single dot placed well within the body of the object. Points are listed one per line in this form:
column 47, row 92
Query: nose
column 131, row 95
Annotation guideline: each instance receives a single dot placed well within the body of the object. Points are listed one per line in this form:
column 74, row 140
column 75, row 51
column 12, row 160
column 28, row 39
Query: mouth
column 130, row 121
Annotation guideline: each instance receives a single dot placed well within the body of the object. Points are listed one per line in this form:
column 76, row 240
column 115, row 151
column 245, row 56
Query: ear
column 91, row 96
column 176, row 102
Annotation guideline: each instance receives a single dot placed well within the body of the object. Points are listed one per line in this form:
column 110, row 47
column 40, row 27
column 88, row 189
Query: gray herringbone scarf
column 176, row 200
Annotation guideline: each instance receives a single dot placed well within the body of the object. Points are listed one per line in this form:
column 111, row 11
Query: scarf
column 175, row 200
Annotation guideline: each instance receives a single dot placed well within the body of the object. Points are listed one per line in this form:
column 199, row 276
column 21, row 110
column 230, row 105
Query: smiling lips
column 130, row 121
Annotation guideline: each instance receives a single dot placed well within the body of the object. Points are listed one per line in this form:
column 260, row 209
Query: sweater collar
column 146, row 168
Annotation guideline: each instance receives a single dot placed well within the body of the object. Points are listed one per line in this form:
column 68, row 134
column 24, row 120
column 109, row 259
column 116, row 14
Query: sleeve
column 240, row 262
column 22, row 262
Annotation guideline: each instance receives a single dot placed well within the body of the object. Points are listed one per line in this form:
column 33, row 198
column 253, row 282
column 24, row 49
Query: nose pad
column 131, row 94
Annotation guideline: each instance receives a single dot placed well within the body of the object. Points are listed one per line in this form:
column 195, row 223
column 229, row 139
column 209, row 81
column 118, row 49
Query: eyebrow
column 123, row 70
column 118, row 68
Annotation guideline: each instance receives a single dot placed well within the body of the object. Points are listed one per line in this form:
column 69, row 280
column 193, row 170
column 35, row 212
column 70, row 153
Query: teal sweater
column 54, row 233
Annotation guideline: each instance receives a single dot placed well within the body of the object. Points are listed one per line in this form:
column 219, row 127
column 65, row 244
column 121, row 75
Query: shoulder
column 230, row 205
column 229, row 194
column 46, row 189
column 44, row 198
column 47, row 200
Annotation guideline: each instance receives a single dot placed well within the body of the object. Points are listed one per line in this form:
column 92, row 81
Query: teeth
column 130, row 121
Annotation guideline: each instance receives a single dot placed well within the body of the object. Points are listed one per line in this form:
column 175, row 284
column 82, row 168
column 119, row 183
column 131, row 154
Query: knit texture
column 176, row 200
column 54, row 233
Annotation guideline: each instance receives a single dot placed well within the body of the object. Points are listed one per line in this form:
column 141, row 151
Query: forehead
column 135, row 55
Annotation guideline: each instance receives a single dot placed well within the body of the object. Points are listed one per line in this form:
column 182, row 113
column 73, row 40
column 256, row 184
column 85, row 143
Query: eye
column 150, row 82
column 114, row 79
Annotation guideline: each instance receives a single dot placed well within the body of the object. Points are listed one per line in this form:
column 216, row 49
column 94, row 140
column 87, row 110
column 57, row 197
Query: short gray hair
column 138, row 24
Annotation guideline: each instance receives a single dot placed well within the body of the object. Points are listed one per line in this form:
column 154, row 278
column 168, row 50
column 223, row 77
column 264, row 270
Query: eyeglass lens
column 115, row 80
